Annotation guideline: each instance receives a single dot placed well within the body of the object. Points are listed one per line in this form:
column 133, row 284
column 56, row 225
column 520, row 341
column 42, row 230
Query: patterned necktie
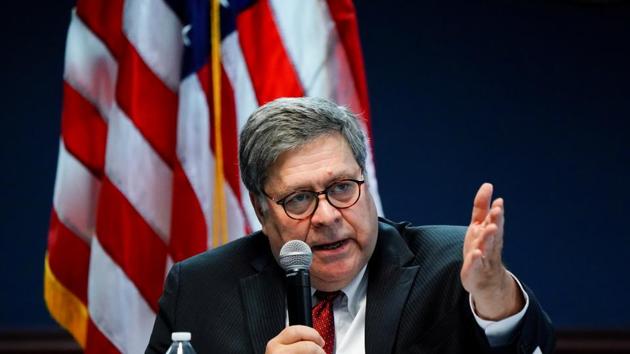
column 323, row 319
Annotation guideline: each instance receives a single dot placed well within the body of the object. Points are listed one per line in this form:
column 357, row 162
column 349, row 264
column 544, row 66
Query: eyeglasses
column 301, row 205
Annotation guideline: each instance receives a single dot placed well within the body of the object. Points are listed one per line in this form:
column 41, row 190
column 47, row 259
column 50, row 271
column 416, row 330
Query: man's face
column 342, row 240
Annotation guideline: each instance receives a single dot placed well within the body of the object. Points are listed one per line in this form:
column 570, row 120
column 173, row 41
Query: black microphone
column 295, row 258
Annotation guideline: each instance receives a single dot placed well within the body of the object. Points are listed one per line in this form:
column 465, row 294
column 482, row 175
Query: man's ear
column 257, row 207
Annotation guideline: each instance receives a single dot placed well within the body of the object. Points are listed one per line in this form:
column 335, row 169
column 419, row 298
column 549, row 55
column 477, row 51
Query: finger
column 486, row 242
column 494, row 217
column 472, row 263
column 477, row 233
column 498, row 216
column 499, row 202
column 474, row 234
column 294, row 334
column 302, row 347
column 481, row 203
column 471, row 240
column 483, row 238
column 307, row 347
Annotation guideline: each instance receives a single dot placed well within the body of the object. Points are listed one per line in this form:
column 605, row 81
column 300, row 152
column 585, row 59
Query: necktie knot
column 326, row 295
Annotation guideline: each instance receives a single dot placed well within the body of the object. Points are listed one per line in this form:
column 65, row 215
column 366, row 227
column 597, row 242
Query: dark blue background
column 532, row 96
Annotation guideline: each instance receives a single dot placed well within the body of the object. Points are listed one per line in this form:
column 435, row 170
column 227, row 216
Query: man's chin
column 332, row 281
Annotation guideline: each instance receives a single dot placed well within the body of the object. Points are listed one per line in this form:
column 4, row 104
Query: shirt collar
column 355, row 291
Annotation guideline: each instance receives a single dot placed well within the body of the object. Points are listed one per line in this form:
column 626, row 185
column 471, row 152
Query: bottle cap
column 180, row 336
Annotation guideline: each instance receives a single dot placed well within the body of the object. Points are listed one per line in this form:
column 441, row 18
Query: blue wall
column 536, row 99
column 533, row 97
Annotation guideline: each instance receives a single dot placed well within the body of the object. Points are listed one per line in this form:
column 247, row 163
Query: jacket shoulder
column 444, row 242
column 231, row 260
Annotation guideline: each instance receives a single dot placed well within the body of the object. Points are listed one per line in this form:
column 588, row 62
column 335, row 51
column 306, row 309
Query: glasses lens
column 299, row 204
column 343, row 194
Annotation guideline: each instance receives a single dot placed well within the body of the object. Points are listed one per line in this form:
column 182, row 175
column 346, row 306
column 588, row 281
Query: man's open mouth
column 330, row 246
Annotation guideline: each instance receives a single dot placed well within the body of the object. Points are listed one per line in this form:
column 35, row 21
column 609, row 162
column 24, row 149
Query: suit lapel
column 389, row 283
column 263, row 297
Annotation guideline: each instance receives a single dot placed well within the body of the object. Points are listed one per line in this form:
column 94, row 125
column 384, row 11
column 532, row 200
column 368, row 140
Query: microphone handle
column 299, row 298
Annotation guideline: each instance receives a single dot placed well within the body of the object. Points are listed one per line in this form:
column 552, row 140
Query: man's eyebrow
column 309, row 187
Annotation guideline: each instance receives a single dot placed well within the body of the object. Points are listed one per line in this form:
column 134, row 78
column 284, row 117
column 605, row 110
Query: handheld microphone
column 295, row 258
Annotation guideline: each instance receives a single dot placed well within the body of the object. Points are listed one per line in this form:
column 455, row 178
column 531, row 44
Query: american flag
column 155, row 93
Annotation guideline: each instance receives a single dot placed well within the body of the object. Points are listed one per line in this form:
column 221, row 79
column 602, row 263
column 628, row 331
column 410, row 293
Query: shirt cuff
column 500, row 332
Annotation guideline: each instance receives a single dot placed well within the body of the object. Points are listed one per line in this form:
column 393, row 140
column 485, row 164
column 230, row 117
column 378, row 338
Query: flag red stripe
column 84, row 131
column 271, row 72
column 345, row 17
column 97, row 343
column 68, row 257
column 104, row 18
column 188, row 226
column 148, row 102
column 131, row 242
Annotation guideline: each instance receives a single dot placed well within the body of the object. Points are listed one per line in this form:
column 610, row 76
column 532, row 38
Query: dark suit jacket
column 232, row 298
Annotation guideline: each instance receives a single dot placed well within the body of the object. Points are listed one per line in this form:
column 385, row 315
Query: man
column 403, row 289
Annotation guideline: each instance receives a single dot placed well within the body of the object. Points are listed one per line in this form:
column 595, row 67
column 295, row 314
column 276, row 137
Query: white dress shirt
column 349, row 312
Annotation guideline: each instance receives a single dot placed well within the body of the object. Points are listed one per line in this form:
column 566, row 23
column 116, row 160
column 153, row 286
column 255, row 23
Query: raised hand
column 494, row 291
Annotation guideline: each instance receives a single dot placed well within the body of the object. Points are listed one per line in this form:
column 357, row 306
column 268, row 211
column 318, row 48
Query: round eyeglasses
column 301, row 205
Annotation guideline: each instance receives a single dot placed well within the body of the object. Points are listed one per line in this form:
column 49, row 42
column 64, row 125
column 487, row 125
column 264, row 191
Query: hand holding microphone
column 295, row 258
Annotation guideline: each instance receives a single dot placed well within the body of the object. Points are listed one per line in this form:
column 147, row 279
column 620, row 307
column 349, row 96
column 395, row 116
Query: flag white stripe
column 89, row 67
column 238, row 75
column 337, row 69
column 156, row 33
column 169, row 265
column 139, row 173
column 250, row 213
column 116, row 306
column 193, row 144
column 245, row 102
column 76, row 195
column 235, row 217
column 372, row 183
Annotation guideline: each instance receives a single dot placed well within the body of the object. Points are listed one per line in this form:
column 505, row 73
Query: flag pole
column 219, row 220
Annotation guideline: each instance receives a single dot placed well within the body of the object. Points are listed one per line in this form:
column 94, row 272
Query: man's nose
column 325, row 213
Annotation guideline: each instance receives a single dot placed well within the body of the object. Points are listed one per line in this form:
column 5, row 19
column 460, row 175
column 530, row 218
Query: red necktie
column 323, row 319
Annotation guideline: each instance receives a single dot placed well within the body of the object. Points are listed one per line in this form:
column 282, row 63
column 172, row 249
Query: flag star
column 185, row 32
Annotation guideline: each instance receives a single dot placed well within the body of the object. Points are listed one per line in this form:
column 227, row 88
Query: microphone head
column 295, row 255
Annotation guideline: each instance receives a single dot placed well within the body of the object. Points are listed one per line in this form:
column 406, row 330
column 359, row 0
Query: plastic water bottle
column 181, row 344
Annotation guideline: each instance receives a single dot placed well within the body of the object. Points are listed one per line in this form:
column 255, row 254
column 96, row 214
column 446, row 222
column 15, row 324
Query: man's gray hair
column 289, row 123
